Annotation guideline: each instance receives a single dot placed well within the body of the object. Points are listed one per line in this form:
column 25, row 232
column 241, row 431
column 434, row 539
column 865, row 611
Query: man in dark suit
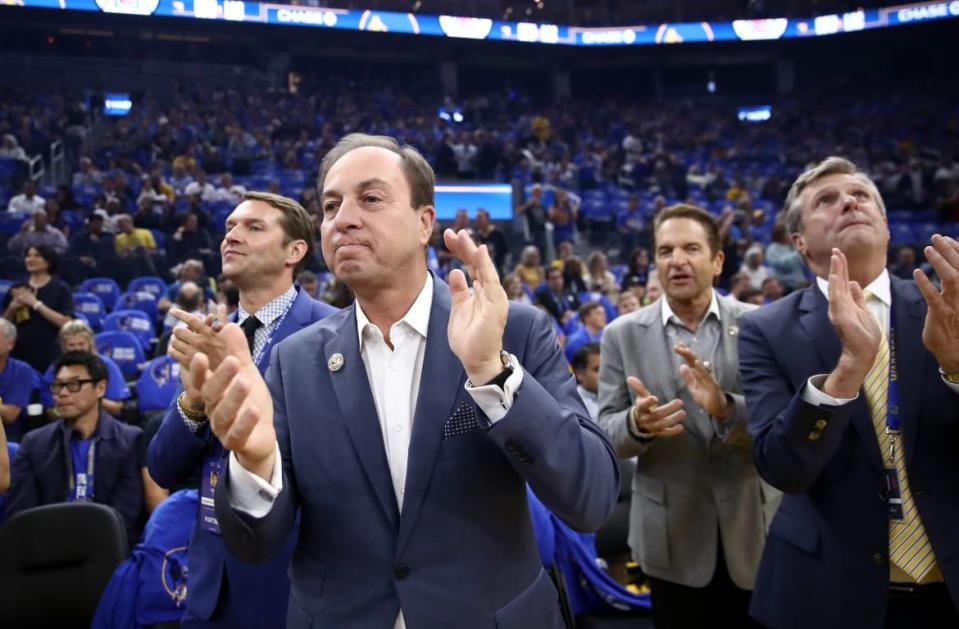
column 87, row 455
column 853, row 400
column 268, row 240
column 553, row 296
column 407, row 426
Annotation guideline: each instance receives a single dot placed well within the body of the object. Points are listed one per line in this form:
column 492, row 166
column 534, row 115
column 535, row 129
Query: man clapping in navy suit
column 852, row 387
column 406, row 427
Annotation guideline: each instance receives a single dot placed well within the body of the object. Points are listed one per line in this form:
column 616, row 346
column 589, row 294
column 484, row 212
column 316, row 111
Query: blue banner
column 529, row 32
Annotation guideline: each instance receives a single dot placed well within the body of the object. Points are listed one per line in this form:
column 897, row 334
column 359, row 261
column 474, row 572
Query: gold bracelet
column 196, row 413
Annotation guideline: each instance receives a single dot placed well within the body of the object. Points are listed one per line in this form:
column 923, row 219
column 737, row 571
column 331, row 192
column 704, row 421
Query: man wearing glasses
column 87, row 455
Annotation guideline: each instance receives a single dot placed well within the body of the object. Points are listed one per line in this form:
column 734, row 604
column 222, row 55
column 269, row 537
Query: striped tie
column 909, row 547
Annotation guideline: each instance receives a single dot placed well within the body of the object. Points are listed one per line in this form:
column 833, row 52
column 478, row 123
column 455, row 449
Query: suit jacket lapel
column 820, row 333
column 907, row 313
column 440, row 383
column 355, row 398
column 727, row 364
column 655, row 351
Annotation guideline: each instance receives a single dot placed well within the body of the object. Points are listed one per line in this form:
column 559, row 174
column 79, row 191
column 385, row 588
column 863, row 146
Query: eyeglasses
column 71, row 385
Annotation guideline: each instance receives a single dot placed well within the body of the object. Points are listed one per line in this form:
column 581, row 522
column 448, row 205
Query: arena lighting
column 759, row 113
column 526, row 31
column 117, row 104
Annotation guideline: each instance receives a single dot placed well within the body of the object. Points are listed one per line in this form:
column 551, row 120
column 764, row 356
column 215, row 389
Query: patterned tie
column 909, row 547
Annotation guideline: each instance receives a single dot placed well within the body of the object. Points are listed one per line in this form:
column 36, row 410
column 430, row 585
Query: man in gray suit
column 670, row 393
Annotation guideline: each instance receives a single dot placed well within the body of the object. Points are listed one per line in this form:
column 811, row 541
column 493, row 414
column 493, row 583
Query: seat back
column 148, row 284
column 157, row 384
column 124, row 349
column 52, row 579
column 141, row 300
column 103, row 287
column 91, row 307
column 137, row 323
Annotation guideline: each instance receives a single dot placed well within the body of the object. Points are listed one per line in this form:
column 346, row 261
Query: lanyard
column 892, row 396
column 273, row 328
column 71, row 476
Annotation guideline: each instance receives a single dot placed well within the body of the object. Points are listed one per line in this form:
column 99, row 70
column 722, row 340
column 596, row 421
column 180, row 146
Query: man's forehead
column 253, row 210
column 680, row 229
column 72, row 371
column 835, row 179
column 363, row 164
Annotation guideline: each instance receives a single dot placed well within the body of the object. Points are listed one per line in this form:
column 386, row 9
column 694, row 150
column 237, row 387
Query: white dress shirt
column 394, row 376
column 881, row 289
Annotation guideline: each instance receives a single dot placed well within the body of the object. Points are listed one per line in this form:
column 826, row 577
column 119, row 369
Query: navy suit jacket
column 462, row 553
column 826, row 562
column 39, row 470
column 257, row 594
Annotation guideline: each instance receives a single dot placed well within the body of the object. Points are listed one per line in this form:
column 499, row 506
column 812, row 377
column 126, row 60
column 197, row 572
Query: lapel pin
column 335, row 363
column 733, row 330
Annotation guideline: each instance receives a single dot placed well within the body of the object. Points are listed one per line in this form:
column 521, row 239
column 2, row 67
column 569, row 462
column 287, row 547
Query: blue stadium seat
column 149, row 284
column 143, row 301
column 5, row 288
column 124, row 349
column 157, row 385
column 901, row 233
column 923, row 232
column 134, row 322
column 91, row 307
column 103, row 287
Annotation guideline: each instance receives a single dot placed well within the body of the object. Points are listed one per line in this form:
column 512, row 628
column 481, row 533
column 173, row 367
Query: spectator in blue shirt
column 86, row 456
column 592, row 318
column 76, row 336
column 17, row 382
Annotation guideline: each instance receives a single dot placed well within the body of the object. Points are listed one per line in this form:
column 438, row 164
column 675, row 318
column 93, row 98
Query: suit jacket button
column 814, row 435
column 879, row 559
column 820, row 424
column 401, row 572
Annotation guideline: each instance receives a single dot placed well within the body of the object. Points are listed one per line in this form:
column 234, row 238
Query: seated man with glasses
column 87, row 455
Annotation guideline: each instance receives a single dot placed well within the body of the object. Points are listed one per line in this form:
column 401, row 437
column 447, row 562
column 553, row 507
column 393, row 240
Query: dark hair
column 587, row 308
column 749, row 293
column 295, row 221
column 47, row 253
column 552, row 269
column 95, row 366
column 581, row 357
column 232, row 294
column 693, row 213
column 418, row 172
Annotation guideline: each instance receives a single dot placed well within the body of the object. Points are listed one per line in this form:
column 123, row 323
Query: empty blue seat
column 124, row 349
column 103, row 287
column 149, row 284
column 158, row 383
column 134, row 322
column 139, row 300
column 91, row 307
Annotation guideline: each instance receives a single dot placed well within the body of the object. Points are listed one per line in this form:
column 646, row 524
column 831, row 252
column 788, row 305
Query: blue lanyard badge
column 80, row 483
column 212, row 471
column 892, row 429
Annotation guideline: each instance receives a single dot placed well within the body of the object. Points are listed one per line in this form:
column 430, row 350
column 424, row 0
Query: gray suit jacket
column 685, row 486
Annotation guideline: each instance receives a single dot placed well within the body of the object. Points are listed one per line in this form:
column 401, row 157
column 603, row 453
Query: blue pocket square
column 461, row 421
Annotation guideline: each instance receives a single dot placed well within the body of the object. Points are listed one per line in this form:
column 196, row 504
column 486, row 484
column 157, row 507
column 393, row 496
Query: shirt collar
column 272, row 310
column 417, row 317
column 669, row 314
column 879, row 287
